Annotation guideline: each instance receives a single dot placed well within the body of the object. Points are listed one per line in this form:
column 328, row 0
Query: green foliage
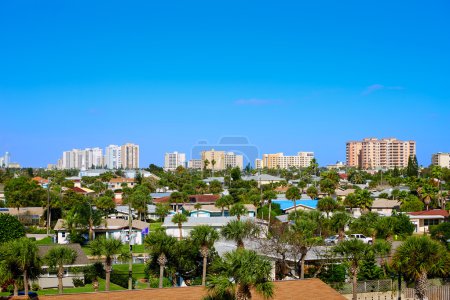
column 312, row 192
column 121, row 279
column 412, row 170
column 215, row 187
column 411, row 203
column 369, row 270
column 23, row 192
column 333, row 273
column 78, row 282
column 441, row 232
column 263, row 212
column 93, row 272
column 235, row 174
column 10, row 228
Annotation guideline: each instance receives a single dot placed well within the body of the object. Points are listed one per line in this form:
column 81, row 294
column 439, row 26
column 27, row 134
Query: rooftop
column 81, row 260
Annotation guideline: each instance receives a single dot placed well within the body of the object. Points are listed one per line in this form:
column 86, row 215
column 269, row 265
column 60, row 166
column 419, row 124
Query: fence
column 387, row 290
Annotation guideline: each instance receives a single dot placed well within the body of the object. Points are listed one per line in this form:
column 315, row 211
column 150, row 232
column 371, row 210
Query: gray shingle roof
column 81, row 260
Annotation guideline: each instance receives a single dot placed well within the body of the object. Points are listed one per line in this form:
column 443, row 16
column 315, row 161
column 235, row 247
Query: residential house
column 26, row 215
column 118, row 183
column 209, row 210
column 83, row 191
column 383, row 207
column 48, row 278
column 263, row 179
column 111, row 228
column 423, row 219
column 202, row 199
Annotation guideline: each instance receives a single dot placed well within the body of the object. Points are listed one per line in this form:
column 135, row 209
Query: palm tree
column 27, row 259
column 365, row 200
column 293, row 193
column 353, row 252
column 205, row 165
column 339, row 221
column 312, row 192
column 239, row 272
column 177, row 197
column 418, row 257
column 238, row 231
column 213, row 163
column 204, row 236
column 160, row 245
column 107, row 248
column 179, row 219
column 9, row 269
column 382, row 249
column 327, row 205
column 57, row 257
column 223, row 202
column 268, row 196
column 238, row 210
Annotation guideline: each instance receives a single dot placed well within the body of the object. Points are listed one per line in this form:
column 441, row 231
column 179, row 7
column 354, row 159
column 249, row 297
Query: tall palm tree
column 269, row 196
column 312, row 192
column 353, row 252
column 58, row 257
column 418, row 257
column 339, row 221
column 239, row 272
column 160, row 245
column 238, row 231
column 27, row 259
column 179, row 219
column 204, row 236
column 365, row 200
column 213, row 163
column 107, row 248
column 238, row 210
column 9, row 269
column 293, row 193
column 327, row 205
column 224, row 201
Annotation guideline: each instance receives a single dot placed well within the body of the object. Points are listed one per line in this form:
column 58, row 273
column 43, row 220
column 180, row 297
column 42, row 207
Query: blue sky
column 290, row 76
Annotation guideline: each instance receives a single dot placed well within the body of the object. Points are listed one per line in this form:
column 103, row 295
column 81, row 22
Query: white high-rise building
column 82, row 159
column 113, row 159
column 281, row 161
column 173, row 160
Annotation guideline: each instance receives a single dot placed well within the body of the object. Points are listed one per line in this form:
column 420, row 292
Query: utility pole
column 130, row 262
column 48, row 208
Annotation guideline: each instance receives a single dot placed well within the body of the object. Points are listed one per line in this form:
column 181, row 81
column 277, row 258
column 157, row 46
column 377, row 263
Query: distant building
column 373, row 153
column 195, row 164
column 5, row 160
column 441, row 159
column 336, row 166
column 221, row 160
column 82, row 159
column 112, row 158
column 130, row 156
column 173, row 160
column 281, row 161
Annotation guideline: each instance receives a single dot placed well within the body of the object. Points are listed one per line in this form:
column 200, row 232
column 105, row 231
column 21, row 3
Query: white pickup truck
column 361, row 237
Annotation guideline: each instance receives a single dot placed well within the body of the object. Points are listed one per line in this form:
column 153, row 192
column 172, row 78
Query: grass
column 45, row 241
column 84, row 289
column 138, row 273
column 136, row 249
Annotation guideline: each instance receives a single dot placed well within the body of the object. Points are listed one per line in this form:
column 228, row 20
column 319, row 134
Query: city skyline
column 165, row 75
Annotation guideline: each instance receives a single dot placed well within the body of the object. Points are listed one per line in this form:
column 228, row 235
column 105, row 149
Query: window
column 63, row 234
column 431, row 222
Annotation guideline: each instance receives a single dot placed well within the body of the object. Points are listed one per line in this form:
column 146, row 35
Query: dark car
column 32, row 295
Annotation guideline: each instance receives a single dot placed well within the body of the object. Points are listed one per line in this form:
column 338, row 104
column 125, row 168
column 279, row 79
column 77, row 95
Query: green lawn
column 138, row 273
column 45, row 241
column 85, row 289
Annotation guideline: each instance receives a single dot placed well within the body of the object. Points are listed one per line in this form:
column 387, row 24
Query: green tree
column 419, row 257
column 339, row 221
column 327, row 186
column 240, row 271
column 177, row 197
column 204, row 237
column 235, row 174
column 107, row 249
column 179, row 219
column 10, row 228
column 353, row 252
column 441, row 232
column 412, row 170
column 58, row 257
column 224, row 201
column 162, row 211
column 215, row 187
column 24, row 192
column 237, row 231
column 312, row 192
column 105, row 204
column 327, row 205
column 9, row 268
column 364, row 201
column 27, row 259
column 293, row 193
column 268, row 196
column 238, row 210
column 160, row 245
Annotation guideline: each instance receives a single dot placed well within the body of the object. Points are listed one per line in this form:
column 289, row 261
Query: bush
column 10, row 228
column 93, row 271
column 154, row 282
column 121, row 279
column 35, row 286
column 78, row 282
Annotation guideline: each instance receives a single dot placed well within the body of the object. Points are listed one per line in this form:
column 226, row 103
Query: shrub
column 154, row 282
column 35, row 286
column 93, row 271
column 10, row 228
column 121, row 279
column 77, row 282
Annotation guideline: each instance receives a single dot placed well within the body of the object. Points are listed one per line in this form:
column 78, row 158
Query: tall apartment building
column 173, row 160
column 222, row 160
column 281, row 161
column 373, row 153
column 5, row 160
column 82, row 159
column 130, row 156
column 113, row 157
column 441, row 159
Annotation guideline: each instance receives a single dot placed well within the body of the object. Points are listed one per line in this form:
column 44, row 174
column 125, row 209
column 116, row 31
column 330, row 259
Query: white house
column 209, row 210
column 114, row 228
column 383, row 207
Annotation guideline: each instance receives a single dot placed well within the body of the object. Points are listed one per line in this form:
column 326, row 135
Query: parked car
column 31, row 295
column 334, row 239
column 362, row 237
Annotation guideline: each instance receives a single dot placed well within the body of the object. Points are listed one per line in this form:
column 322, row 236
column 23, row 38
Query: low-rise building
column 263, row 179
column 210, row 210
column 422, row 220
column 118, row 183
column 441, row 159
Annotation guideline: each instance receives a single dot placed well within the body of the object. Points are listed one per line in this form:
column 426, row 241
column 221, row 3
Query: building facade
column 281, row 161
column 5, row 160
column 173, row 160
column 221, row 160
column 373, row 153
column 130, row 156
column 195, row 164
column 441, row 159
column 113, row 156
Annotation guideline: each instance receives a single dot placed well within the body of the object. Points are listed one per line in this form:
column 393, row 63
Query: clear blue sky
column 290, row 76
